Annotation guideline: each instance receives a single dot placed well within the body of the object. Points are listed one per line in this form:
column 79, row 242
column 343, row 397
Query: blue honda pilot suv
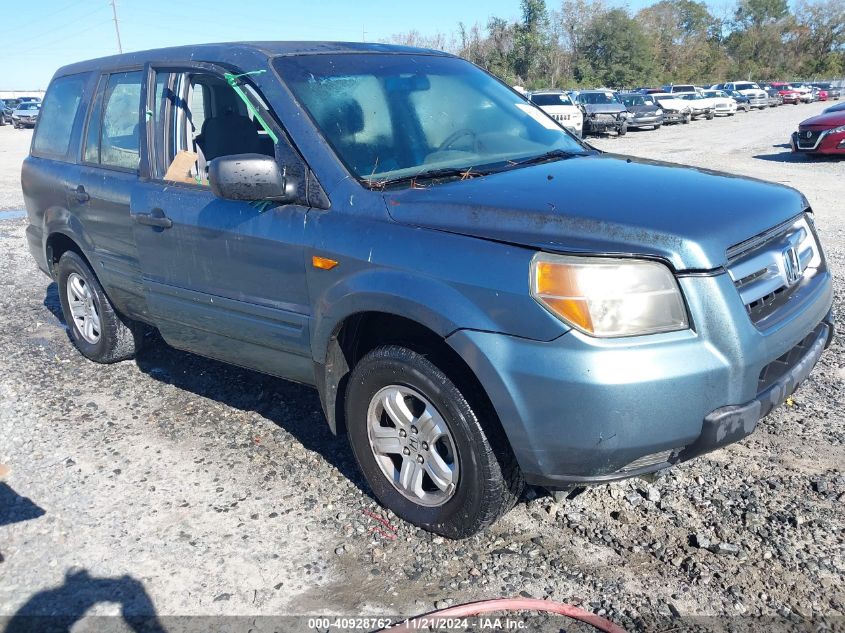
column 481, row 299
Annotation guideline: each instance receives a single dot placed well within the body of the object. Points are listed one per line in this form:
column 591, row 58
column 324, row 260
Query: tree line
column 588, row 43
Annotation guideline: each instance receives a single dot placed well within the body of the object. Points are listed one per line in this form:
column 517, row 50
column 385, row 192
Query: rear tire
column 395, row 397
column 621, row 131
column 96, row 328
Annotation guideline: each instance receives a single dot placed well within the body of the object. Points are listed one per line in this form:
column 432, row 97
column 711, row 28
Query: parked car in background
column 775, row 98
column 757, row 97
column 11, row 104
column 559, row 105
column 29, row 99
column 820, row 94
column 675, row 110
column 699, row 105
column 806, row 94
column 822, row 134
column 567, row 317
column 26, row 114
column 723, row 105
column 680, row 89
column 839, row 107
column 833, row 92
column 643, row 110
column 4, row 116
column 742, row 102
column 603, row 112
column 787, row 92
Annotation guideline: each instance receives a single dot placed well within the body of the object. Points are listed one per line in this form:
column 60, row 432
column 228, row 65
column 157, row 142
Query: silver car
column 26, row 114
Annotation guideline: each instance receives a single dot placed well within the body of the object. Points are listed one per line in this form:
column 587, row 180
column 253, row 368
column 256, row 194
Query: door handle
column 155, row 218
column 80, row 195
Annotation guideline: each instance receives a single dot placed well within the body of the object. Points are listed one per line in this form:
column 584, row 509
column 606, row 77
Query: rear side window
column 52, row 138
column 120, row 132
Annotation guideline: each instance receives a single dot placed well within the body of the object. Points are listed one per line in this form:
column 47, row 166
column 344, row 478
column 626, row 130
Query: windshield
column 711, row 94
column 689, row 96
column 633, row 100
column 29, row 105
column 398, row 116
column 597, row 98
column 551, row 99
column 746, row 86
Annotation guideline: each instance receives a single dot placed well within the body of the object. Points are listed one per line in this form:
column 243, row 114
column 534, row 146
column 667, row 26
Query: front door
column 225, row 279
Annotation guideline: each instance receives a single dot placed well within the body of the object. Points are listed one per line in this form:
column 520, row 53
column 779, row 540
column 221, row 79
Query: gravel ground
column 194, row 488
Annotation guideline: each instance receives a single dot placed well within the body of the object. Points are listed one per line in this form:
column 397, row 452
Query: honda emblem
column 791, row 265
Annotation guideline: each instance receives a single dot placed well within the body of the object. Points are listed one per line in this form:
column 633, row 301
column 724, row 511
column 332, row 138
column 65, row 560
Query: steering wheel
column 454, row 136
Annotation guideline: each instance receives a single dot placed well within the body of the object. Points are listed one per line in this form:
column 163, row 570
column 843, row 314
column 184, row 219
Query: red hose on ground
column 512, row 604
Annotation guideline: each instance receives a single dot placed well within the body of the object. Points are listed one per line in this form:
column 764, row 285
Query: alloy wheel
column 412, row 445
column 83, row 309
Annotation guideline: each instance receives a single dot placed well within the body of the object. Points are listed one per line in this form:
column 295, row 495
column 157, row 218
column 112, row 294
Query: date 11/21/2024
column 422, row 623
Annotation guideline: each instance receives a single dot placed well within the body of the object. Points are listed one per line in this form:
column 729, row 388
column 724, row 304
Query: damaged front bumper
column 602, row 125
column 674, row 116
column 580, row 410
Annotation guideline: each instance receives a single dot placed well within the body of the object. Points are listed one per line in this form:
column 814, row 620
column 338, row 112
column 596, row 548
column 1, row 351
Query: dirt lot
column 182, row 485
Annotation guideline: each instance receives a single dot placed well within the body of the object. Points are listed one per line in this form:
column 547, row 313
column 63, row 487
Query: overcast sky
column 51, row 33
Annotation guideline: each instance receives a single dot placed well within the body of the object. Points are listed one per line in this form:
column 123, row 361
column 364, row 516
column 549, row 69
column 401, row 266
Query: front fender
column 430, row 302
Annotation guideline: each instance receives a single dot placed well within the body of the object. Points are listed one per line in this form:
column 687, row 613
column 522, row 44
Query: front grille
column 771, row 269
column 779, row 367
column 605, row 117
column 808, row 142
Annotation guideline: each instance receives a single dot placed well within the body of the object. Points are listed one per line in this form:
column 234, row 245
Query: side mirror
column 249, row 177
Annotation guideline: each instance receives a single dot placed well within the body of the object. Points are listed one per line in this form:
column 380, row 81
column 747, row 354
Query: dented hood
column 605, row 204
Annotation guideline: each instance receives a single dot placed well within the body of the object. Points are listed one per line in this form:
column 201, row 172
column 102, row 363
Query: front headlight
column 837, row 130
column 607, row 297
column 658, row 112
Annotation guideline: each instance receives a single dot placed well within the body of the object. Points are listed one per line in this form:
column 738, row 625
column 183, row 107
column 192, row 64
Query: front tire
column 622, row 130
column 96, row 329
column 433, row 454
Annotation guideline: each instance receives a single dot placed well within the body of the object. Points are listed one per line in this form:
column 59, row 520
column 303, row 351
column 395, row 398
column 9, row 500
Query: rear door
column 225, row 279
column 106, row 177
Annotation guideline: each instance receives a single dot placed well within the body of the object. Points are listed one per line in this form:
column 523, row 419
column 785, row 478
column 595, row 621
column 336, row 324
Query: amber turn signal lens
column 558, row 286
column 323, row 263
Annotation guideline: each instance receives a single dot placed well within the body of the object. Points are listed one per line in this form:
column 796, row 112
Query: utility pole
column 363, row 34
column 116, row 27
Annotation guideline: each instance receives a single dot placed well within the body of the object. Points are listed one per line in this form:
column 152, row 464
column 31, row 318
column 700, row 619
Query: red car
column 785, row 90
column 823, row 134
column 822, row 94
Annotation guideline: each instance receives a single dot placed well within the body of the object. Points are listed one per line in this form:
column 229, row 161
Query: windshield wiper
column 555, row 154
column 464, row 173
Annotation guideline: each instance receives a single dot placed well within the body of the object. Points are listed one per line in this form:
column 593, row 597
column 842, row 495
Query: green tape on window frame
column 232, row 80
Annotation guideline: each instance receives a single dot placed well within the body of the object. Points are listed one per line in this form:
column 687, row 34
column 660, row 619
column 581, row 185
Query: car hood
column 672, row 103
column 823, row 121
column 642, row 110
column 603, row 108
column 603, row 203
